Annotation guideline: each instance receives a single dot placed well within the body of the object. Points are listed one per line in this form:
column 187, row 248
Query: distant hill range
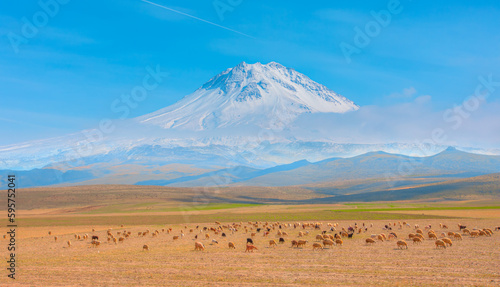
column 369, row 177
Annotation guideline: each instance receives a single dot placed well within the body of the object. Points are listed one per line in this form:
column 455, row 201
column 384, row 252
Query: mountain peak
column 267, row 96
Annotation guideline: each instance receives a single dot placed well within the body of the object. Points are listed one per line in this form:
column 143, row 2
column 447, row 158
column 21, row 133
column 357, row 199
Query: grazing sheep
column 402, row 244
column 380, row 237
column 417, row 240
column 145, row 247
column 301, row 234
column 95, row 243
column 457, row 236
column 466, row 231
column 447, row 241
column 369, row 241
column 445, row 226
column 282, row 240
column 272, row 243
column 55, row 238
column 249, row 240
column 231, row 245
column 450, row 233
column 176, row 237
column 50, row 233
column 215, row 241
column 199, row 246
column 474, row 234
column 295, row 243
column 207, row 236
column 420, row 236
column 432, row 235
column 301, row 243
column 121, row 239
column 253, row 234
column 419, row 231
column 411, row 235
column 95, row 237
column 339, row 242
column 440, row 243
column 69, row 243
column 316, row 246
column 328, row 242
column 319, row 237
column 250, row 248
column 115, row 240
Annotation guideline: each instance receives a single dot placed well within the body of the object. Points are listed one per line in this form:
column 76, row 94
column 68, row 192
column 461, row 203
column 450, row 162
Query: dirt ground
column 44, row 262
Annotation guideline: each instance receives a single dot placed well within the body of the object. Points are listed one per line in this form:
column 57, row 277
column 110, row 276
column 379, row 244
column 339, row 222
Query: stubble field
column 169, row 262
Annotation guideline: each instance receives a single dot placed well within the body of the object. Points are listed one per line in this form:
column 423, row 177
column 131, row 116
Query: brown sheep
column 402, row 244
column 418, row 235
column 231, row 245
column 121, row 239
column 450, row 233
column 328, row 242
column 316, row 246
column 466, row 231
column 69, row 243
column 380, row 237
column 411, row 235
column 272, row 243
column 440, row 243
column 419, row 231
column 115, row 240
column 457, row 236
column 295, row 243
column 369, row 241
column 301, row 243
column 432, row 235
column 417, row 240
column 250, row 248
column 95, row 243
column 447, row 241
column 55, row 238
column 199, row 246
column 319, row 237
column 339, row 242
column 50, row 233
column 474, row 234
column 207, row 236
column 176, row 237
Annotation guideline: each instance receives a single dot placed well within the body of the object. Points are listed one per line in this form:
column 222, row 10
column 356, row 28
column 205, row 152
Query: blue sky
column 64, row 77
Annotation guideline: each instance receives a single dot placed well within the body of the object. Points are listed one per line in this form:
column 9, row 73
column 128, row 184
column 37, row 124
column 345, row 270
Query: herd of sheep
column 328, row 234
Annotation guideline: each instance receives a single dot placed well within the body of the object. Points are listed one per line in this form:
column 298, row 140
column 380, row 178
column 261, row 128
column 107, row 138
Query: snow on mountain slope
column 268, row 96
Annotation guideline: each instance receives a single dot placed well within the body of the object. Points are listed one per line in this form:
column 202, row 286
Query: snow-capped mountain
column 267, row 96
column 252, row 115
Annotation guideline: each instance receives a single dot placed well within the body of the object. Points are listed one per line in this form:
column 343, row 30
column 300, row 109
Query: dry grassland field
column 43, row 261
